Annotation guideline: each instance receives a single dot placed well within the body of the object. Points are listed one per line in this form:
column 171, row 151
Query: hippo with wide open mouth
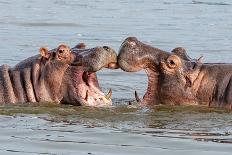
column 174, row 78
column 61, row 75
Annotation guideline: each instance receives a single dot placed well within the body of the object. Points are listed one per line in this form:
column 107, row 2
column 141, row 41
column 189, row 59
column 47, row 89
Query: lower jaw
column 151, row 97
column 93, row 96
column 92, row 102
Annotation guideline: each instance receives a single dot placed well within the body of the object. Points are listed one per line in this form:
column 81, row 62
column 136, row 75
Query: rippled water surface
column 203, row 27
column 50, row 129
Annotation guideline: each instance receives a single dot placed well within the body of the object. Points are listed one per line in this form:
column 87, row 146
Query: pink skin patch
column 88, row 89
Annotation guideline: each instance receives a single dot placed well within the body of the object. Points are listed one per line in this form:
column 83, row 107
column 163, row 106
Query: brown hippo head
column 74, row 71
column 80, row 83
column 170, row 75
column 62, row 75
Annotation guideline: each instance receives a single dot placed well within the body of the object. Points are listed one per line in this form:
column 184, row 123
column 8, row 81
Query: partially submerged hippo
column 174, row 78
column 62, row 75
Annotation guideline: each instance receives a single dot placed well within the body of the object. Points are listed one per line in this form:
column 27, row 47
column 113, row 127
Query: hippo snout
column 129, row 57
column 95, row 59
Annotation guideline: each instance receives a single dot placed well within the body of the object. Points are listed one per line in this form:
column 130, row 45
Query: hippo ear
column 200, row 60
column 44, row 52
column 80, row 46
column 181, row 52
column 192, row 74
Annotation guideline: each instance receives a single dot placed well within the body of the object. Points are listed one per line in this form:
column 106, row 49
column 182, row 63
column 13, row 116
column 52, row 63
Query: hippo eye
column 61, row 51
column 172, row 62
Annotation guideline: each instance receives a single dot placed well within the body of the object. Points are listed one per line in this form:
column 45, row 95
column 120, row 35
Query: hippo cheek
column 88, row 91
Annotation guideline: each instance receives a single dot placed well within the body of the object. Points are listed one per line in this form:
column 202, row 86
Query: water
column 50, row 129
column 203, row 27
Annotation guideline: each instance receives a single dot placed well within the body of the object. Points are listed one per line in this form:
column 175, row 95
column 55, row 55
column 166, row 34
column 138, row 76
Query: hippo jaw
column 85, row 88
column 135, row 56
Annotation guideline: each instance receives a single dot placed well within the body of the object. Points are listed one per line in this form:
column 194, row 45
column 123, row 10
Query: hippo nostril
column 106, row 48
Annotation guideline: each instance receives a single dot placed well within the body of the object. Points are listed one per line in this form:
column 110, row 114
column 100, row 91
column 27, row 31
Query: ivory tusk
column 109, row 95
column 137, row 97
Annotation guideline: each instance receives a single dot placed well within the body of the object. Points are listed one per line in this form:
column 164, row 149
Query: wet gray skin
column 62, row 75
column 174, row 78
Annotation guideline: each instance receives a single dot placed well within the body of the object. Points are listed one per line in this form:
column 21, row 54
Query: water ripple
column 209, row 3
column 48, row 24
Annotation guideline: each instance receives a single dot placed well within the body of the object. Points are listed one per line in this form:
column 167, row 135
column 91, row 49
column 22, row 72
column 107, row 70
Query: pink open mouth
column 89, row 91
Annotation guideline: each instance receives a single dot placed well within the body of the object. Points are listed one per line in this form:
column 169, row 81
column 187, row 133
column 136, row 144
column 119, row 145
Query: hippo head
column 70, row 74
column 170, row 74
column 83, row 86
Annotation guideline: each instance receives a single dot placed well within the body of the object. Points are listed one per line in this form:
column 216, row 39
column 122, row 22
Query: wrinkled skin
column 174, row 78
column 61, row 75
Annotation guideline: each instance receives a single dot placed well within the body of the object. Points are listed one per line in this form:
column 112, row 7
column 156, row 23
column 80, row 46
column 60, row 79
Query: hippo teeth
column 137, row 97
column 109, row 95
column 86, row 95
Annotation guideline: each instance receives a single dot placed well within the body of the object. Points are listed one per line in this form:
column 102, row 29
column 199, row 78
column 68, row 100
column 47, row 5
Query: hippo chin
column 61, row 75
column 174, row 78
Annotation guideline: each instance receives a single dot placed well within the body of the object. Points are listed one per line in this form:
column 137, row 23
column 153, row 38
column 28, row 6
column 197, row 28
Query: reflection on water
column 202, row 26
column 122, row 129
